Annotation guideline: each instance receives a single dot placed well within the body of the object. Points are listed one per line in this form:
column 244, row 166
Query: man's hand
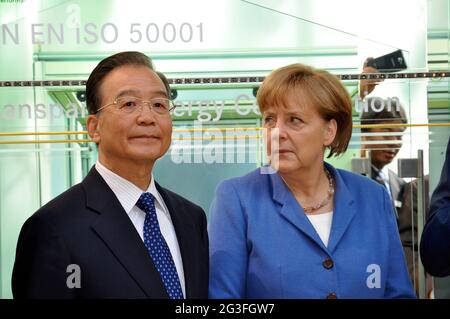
column 367, row 86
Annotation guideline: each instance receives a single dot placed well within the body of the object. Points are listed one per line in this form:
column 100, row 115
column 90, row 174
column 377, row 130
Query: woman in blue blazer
column 301, row 228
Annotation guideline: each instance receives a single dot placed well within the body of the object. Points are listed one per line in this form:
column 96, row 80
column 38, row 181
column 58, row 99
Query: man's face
column 139, row 137
column 389, row 145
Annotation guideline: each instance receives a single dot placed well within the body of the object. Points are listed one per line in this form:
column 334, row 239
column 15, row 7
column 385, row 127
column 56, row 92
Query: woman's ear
column 93, row 126
column 329, row 132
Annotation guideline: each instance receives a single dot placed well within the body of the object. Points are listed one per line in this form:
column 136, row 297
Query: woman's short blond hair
column 318, row 87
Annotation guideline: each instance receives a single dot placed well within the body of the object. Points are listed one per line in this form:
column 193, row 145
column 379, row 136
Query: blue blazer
column 262, row 245
column 435, row 242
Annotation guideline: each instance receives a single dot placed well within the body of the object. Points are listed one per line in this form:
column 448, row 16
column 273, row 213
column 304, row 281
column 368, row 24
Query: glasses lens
column 161, row 106
column 128, row 104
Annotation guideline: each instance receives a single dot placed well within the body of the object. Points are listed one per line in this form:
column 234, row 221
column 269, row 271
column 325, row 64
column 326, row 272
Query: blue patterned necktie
column 158, row 249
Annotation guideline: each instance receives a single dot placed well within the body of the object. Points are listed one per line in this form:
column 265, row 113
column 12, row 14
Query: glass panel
column 438, row 39
column 35, row 163
column 215, row 54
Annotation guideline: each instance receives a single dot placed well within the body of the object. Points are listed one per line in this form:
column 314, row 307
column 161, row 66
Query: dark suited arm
column 406, row 213
column 205, row 254
column 41, row 263
column 435, row 243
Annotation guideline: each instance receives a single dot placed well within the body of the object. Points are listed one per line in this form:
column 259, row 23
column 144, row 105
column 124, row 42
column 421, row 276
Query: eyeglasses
column 130, row 104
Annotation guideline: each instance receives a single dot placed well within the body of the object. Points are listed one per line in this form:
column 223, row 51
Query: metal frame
column 241, row 79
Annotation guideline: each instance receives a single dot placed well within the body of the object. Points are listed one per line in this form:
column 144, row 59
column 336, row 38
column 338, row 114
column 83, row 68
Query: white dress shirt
column 128, row 194
column 322, row 225
column 384, row 175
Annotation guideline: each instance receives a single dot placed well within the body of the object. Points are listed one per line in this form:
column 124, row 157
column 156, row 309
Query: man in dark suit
column 118, row 234
column 407, row 226
column 435, row 242
column 388, row 143
column 382, row 111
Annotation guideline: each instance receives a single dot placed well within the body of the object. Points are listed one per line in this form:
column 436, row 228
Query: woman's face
column 300, row 132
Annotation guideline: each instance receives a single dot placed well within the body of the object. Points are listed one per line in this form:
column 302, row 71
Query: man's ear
column 93, row 126
column 330, row 132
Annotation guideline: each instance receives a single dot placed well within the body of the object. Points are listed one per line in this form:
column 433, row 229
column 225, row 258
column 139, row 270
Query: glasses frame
column 142, row 102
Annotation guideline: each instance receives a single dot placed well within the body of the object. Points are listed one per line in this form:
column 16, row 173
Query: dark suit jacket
column 435, row 242
column 407, row 212
column 87, row 226
column 395, row 184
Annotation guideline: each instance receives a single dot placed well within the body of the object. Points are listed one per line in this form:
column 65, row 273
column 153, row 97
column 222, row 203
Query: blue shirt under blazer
column 262, row 245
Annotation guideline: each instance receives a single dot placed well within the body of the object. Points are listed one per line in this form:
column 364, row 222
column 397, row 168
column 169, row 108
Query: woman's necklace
column 325, row 201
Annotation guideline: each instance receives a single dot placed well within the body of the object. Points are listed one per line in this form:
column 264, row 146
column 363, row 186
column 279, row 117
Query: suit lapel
column 395, row 183
column 291, row 211
column 184, row 233
column 344, row 209
column 115, row 228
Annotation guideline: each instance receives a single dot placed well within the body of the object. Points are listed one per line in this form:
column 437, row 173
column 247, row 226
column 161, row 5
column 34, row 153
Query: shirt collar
column 126, row 192
column 383, row 173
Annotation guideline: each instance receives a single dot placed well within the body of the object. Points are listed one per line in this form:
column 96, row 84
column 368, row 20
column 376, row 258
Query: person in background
column 308, row 230
column 388, row 143
column 435, row 241
column 376, row 110
column 118, row 234
column 407, row 225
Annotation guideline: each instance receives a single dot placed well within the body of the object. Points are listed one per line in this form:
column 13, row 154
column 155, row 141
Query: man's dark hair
column 105, row 67
column 165, row 82
column 376, row 113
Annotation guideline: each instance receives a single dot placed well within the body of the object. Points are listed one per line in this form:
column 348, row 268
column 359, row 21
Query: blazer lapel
column 292, row 211
column 343, row 211
column 115, row 228
column 396, row 184
column 183, row 229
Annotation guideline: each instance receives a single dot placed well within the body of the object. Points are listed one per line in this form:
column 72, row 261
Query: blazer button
column 332, row 295
column 328, row 263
